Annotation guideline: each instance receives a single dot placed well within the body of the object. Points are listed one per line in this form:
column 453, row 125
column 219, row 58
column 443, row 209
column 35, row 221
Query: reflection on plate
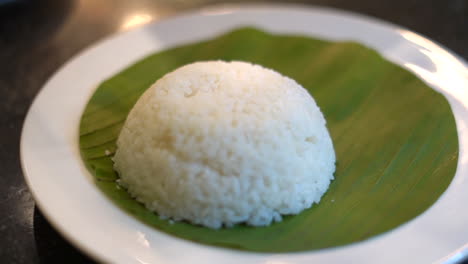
column 63, row 189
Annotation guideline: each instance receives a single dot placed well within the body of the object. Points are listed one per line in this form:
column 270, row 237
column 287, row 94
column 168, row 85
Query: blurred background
column 38, row 36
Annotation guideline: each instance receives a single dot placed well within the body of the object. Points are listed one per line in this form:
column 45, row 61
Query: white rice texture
column 219, row 143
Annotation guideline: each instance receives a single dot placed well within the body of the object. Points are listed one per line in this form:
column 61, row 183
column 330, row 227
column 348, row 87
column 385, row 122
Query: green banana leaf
column 395, row 138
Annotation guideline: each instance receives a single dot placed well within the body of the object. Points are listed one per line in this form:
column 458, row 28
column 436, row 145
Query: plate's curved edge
column 38, row 201
column 220, row 9
column 283, row 7
column 76, row 242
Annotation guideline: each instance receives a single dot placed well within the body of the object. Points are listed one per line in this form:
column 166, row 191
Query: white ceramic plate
column 65, row 194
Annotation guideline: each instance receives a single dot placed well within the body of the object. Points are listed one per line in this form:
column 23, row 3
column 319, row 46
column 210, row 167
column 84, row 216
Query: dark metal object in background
column 38, row 36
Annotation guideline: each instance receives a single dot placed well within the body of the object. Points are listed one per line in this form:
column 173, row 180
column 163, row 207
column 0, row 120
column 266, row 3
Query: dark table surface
column 38, row 36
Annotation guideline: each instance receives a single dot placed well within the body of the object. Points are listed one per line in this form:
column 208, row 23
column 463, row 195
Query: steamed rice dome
column 219, row 143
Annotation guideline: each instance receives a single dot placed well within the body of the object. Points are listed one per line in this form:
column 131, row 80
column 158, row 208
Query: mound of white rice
column 219, row 143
